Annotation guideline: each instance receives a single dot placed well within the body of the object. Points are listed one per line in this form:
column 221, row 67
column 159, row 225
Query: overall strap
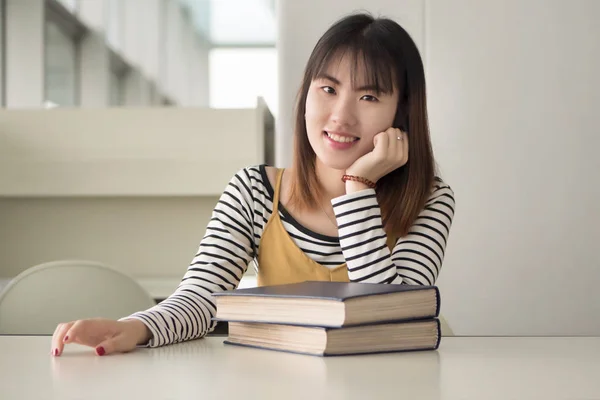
column 276, row 190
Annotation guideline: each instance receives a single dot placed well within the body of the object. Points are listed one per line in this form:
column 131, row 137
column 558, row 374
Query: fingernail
column 66, row 338
column 55, row 352
column 100, row 350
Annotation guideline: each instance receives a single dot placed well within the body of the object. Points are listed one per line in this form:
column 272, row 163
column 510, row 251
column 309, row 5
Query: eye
column 368, row 97
column 328, row 89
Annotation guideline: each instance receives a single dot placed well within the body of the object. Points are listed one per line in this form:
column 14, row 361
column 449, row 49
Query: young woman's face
column 341, row 120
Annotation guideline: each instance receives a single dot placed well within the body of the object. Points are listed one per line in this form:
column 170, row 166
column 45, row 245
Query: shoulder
column 256, row 180
column 252, row 175
column 441, row 192
column 271, row 174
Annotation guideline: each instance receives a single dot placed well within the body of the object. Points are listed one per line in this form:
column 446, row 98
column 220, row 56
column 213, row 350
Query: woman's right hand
column 106, row 336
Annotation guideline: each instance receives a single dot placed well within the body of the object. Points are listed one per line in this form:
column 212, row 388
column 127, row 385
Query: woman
column 361, row 202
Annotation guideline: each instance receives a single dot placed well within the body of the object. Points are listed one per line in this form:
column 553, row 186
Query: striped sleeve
column 419, row 255
column 362, row 238
column 416, row 258
column 222, row 258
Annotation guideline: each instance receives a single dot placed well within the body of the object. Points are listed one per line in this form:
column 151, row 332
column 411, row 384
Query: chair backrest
column 39, row 298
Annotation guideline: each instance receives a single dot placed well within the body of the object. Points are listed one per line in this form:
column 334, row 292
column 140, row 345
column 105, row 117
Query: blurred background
column 123, row 120
column 118, row 53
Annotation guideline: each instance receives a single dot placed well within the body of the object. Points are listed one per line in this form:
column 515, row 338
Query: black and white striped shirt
column 232, row 241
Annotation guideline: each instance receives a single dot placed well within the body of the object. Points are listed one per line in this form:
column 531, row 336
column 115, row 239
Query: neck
column 331, row 181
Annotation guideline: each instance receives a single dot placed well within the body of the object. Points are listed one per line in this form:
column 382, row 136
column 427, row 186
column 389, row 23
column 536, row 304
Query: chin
column 335, row 163
column 336, row 160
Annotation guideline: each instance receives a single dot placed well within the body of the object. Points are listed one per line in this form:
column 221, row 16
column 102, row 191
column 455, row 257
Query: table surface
column 462, row 368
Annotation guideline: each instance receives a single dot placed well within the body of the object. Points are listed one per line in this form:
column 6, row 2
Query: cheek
column 378, row 120
column 316, row 112
column 312, row 105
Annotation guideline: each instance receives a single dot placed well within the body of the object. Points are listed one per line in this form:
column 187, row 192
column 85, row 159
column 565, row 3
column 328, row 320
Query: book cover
column 336, row 291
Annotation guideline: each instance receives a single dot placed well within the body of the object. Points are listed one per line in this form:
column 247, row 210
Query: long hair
column 391, row 61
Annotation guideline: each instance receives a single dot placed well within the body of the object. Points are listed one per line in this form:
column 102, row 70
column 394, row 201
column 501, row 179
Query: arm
column 221, row 260
column 416, row 258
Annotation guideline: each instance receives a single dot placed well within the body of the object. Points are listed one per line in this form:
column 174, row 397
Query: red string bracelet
column 359, row 179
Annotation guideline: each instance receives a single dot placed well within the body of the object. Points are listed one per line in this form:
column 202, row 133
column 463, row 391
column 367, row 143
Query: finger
column 405, row 146
column 77, row 333
column 58, row 337
column 401, row 151
column 54, row 336
column 395, row 137
column 116, row 344
column 89, row 332
column 381, row 144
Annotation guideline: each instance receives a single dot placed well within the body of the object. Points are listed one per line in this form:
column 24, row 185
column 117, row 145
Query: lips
column 341, row 137
column 339, row 142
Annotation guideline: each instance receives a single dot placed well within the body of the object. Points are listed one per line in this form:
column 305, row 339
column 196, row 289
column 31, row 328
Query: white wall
column 2, row 35
column 513, row 98
column 94, row 72
column 131, row 187
column 24, row 57
column 145, row 237
column 173, row 85
column 199, row 77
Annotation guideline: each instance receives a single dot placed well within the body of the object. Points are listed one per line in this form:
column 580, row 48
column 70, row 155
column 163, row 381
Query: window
column 239, row 75
column 60, row 66
column 242, row 21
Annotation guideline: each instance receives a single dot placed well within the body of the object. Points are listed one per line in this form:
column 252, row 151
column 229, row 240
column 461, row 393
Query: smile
column 341, row 138
column 339, row 142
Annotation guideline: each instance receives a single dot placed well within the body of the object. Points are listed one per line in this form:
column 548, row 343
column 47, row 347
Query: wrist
column 139, row 331
column 356, row 181
column 354, row 186
column 371, row 174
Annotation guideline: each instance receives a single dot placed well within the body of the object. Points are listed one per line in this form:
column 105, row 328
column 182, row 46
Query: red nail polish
column 55, row 352
column 100, row 350
column 66, row 338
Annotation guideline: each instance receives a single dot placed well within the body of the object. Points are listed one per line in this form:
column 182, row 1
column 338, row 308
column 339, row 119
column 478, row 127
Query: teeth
column 341, row 139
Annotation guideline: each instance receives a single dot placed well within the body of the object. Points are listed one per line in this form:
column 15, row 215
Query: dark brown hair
column 391, row 61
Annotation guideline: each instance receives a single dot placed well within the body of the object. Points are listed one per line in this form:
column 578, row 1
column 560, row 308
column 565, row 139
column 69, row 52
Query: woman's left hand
column 390, row 153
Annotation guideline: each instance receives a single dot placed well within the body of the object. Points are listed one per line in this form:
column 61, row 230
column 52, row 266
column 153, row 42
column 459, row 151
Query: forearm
column 354, row 186
column 416, row 259
column 362, row 238
column 138, row 330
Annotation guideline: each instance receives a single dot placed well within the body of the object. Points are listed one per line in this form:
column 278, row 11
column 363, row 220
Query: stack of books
column 332, row 318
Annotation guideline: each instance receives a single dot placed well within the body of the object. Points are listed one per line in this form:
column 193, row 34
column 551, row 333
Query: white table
column 463, row 368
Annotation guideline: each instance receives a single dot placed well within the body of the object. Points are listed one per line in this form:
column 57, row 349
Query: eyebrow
column 337, row 82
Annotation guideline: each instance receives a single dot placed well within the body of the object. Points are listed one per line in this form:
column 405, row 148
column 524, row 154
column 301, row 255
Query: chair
column 42, row 296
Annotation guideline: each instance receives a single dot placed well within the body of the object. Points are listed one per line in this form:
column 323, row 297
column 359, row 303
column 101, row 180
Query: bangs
column 372, row 66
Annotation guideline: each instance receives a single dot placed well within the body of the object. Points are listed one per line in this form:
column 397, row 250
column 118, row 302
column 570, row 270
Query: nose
column 343, row 112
